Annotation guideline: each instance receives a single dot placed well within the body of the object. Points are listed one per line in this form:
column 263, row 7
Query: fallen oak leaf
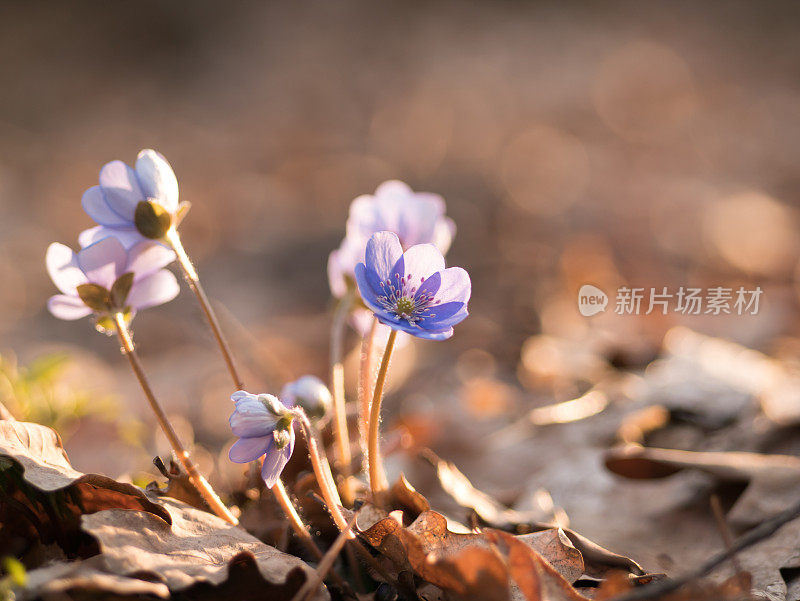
column 407, row 497
column 66, row 579
column 536, row 578
column 596, row 560
column 556, row 547
column 462, row 564
column 196, row 548
column 38, row 450
column 772, row 479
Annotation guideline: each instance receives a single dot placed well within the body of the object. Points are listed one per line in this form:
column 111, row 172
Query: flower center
column 400, row 297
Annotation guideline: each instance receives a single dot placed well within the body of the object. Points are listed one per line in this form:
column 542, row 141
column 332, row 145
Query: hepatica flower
column 104, row 279
column 264, row 427
column 412, row 291
column 415, row 217
column 133, row 204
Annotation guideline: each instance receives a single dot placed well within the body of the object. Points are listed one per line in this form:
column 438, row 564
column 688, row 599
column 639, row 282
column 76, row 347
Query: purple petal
column 67, row 307
column 336, row 279
column 422, row 261
column 445, row 316
column 148, row 257
column 128, row 237
column 155, row 289
column 62, row 265
column 121, row 189
column 240, row 395
column 246, row 450
column 393, row 188
column 383, row 251
column 95, row 205
column 416, row 331
column 103, row 262
column 251, row 419
column 157, row 179
column 455, row 286
column 430, row 286
column 368, row 294
column 275, row 460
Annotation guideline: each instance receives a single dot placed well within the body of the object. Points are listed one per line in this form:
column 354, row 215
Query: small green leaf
column 95, row 297
column 120, row 289
column 152, row 220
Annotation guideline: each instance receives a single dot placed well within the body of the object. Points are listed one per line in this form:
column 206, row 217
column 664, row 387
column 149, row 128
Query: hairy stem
column 194, row 283
column 376, row 474
column 279, row 490
column 323, row 473
column 195, row 477
column 340, row 432
column 365, row 380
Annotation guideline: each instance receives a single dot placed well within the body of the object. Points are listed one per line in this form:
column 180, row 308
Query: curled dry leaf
column 197, row 548
column 772, row 480
column 42, row 496
column 459, row 563
column 596, row 561
column 469, row 565
column 535, row 577
column 407, row 498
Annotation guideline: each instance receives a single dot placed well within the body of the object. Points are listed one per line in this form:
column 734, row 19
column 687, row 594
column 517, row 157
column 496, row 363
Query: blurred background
column 625, row 143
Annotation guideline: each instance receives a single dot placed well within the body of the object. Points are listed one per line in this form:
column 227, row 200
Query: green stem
column 376, row 475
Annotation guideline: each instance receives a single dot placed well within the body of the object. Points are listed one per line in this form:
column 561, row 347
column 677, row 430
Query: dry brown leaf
column 536, row 578
column 467, row 563
column 463, row 564
column 597, row 559
column 406, row 497
column 197, row 548
column 555, row 546
column 38, row 450
column 772, row 480
column 63, row 580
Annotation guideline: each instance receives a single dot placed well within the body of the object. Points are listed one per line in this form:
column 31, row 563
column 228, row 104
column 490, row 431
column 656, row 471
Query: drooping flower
column 264, row 427
column 415, row 217
column 104, row 279
column 133, row 204
column 412, row 291
column 309, row 393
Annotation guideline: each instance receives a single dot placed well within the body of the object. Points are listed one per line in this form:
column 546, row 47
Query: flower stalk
column 195, row 477
column 365, row 379
column 282, row 496
column 377, row 478
column 193, row 280
column 340, row 431
column 322, row 471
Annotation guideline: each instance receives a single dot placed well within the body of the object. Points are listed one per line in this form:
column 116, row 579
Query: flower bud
column 310, row 394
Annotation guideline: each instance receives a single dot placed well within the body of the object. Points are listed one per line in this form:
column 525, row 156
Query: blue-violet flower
column 412, row 291
column 264, row 427
column 133, row 204
column 416, row 218
column 104, row 279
